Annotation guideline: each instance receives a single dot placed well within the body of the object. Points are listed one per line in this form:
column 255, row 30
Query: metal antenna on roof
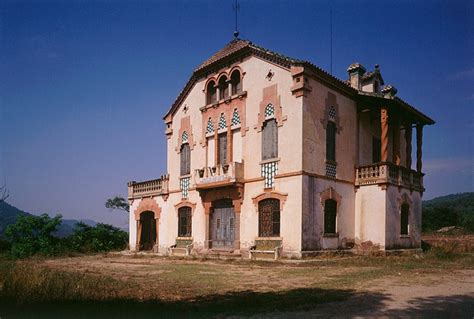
column 236, row 8
column 330, row 36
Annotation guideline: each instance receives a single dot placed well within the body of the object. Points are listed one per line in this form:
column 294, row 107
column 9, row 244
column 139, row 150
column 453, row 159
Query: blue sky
column 84, row 85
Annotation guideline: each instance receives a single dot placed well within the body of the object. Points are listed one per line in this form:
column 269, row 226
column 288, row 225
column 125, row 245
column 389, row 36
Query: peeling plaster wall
column 395, row 198
column 313, row 214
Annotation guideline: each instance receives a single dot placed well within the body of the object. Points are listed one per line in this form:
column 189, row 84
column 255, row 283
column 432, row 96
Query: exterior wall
column 370, row 216
column 316, row 106
column 313, row 214
column 395, row 198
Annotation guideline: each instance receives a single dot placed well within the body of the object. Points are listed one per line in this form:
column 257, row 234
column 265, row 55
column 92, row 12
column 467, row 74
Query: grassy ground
column 140, row 286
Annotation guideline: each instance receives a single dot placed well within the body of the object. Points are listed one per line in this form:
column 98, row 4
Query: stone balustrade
column 219, row 175
column 388, row 173
column 148, row 188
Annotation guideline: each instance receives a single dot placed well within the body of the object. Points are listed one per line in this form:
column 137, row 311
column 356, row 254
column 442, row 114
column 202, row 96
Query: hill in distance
column 9, row 214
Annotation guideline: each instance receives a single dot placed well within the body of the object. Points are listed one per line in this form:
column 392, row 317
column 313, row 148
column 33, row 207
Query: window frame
column 333, row 221
column 405, row 219
column 269, row 147
column 187, row 218
column 331, row 130
column 270, row 225
column 185, row 159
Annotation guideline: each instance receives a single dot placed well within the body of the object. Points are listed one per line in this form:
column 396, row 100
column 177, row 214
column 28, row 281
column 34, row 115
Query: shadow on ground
column 239, row 303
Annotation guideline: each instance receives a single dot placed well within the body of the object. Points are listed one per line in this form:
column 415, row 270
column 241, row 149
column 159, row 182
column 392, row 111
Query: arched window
column 405, row 210
column 184, row 221
column 331, row 141
column 236, row 82
column 185, row 159
column 211, row 93
column 269, row 218
column 330, row 212
column 223, row 88
column 269, row 139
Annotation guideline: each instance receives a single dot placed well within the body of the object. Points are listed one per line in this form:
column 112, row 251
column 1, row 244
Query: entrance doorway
column 223, row 224
column 148, row 230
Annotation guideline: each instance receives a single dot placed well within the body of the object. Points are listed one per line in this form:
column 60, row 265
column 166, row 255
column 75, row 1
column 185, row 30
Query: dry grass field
column 120, row 286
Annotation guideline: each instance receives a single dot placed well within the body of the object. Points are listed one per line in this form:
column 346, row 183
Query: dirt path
column 450, row 296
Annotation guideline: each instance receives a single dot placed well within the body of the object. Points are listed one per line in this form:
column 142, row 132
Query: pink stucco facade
column 314, row 192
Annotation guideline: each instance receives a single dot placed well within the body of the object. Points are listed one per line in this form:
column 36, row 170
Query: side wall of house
column 395, row 198
column 317, row 106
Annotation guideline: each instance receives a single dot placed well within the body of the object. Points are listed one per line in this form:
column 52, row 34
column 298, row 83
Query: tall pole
column 236, row 8
column 330, row 36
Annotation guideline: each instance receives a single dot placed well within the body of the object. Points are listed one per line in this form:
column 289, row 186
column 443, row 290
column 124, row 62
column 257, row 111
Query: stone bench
column 266, row 247
column 182, row 247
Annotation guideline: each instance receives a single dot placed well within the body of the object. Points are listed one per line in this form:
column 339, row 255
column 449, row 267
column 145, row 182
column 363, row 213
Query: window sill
column 335, row 235
column 184, row 176
column 184, row 238
column 226, row 100
column 270, row 160
column 268, row 238
column 331, row 162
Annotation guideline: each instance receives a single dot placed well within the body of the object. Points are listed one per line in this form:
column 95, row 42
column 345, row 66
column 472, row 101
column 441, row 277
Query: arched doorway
column 147, row 230
column 222, row 224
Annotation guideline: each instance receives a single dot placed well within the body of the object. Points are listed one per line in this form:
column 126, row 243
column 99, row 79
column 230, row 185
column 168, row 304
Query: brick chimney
column 356, row 71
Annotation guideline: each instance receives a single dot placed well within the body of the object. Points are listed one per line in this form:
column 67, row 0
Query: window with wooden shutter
column 184, row 222
column 270, row 140
column 185, row 160
column 330, row 212
column 331, row 141
column 222, row 160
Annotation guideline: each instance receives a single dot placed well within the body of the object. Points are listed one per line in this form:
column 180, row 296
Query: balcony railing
column 219, row 175
column 148, row 188
column 383, row 173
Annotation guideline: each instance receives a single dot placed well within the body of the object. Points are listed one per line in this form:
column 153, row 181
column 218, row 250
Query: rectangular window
column 376, row 149
column 270, row 140
column 331, row 141
column 222, row 149
column 185, row 160
column 184, row 222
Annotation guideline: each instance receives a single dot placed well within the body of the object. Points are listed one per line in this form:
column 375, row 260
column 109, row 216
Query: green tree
column 30, row 235
column 100, row 238
column 117, row 203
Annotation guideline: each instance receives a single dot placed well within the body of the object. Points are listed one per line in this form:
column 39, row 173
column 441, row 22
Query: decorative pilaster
column 408, row 135
column 384, row 133
column 419, row 142
column 396, row 141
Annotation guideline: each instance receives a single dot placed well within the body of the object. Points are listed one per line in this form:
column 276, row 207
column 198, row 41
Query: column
column 396, row 141
column 139, row 234
column 408, row 134
column 419, row 142
column 157, row 231
column 384, row 133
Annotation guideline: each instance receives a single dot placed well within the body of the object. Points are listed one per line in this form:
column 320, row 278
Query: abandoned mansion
column 270, row 155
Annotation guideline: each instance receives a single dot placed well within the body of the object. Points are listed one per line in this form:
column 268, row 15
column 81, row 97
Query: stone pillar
column 207, row 214
column 157, row 231
column 384, row 133
column 408, row 134
column 396, row 141
column 419, row 142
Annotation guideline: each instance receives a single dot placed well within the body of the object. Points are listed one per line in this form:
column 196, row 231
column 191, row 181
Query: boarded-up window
column 269, row 218
column 331, row 141
column 184, row 222
column 222, row 149
column 330, row 212
column 376, row 149
column 404, row 219
column 185, row 159
column 270, row 140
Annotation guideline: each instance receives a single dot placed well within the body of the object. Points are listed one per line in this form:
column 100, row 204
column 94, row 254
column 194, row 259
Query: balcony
column 219, row 175
column 148, row 188
column 388, row 173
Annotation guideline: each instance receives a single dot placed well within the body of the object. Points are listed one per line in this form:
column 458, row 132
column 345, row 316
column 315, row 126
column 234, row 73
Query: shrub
column 100, row 238
column 33, row 234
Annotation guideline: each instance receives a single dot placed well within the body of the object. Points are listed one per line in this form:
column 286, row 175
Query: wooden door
column 223, row 225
